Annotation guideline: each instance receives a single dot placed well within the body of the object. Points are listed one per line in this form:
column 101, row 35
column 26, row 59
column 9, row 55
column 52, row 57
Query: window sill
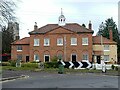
column 36, row 60
column 36, row 46
column 46, row 45
column 107, row 50
column 19, row 50
column 73, row 44
column 85, row 60
column 59, row 44
column 85, row 44
column 106, row 61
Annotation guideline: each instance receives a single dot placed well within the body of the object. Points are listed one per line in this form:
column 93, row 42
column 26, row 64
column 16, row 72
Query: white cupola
column 61, row 19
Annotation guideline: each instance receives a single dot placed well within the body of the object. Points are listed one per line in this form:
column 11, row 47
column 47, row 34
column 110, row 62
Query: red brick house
column 20, row 49
column 67, row 41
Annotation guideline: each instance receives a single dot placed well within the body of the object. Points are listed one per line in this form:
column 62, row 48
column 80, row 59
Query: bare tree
column 7, row 13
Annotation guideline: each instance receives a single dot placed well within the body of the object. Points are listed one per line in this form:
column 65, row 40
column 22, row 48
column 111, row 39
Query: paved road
column 78, row 80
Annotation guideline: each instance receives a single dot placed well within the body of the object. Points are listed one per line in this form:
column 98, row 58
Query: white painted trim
column 46, row 45
column 84, row 44
column 59, row 44
column 73, row 44
column 36, row 45
column 19, row 50
column 106, row 61
column 107, row 50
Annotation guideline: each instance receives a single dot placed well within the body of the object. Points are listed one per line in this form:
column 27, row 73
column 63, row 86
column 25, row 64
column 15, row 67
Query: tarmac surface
column 44, row 79
column 55, row 80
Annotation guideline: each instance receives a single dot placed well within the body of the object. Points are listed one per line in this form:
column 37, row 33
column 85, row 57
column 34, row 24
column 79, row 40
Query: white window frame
column 106, row 46
column 48, row 56
column 37, row 60
column 86, row 58
column 36, row 42
column 59, row 44
column 45, row 42
column 108, row 58
column 19, row 48
column 85, row 41
column 72, row 42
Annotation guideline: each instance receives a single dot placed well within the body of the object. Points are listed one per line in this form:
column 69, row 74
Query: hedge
column 31, row 65
column 6, row 64
column 51, row 65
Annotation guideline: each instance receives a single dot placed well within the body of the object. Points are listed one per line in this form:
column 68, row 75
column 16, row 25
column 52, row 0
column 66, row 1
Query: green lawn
column 55, row 70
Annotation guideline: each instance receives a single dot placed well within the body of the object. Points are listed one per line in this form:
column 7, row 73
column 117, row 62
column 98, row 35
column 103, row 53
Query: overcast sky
column 76, row 11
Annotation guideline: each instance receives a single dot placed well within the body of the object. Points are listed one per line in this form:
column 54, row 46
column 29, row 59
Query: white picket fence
column 99, row 66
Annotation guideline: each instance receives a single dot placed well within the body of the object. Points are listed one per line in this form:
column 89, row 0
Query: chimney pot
column 90, row 25
column 35, row 26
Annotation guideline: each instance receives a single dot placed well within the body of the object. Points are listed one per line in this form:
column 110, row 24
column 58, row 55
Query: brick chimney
column 35, row 26
column 110, row 32
column 90, row 25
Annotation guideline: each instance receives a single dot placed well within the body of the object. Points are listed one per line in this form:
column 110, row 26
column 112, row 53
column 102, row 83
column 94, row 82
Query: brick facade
column 67, row 51
column 54, row 50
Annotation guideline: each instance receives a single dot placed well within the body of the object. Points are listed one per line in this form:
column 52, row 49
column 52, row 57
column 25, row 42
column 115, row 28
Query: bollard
column 103, row 66
column 61, row 69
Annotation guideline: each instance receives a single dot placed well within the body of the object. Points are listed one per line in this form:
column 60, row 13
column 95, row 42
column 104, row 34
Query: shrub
column 116, row 68
column 6, row 64
column 54, row 59
column 113, row 67
column 12, row 62
column 30, row 65
column 51, row 65
column 33, row 62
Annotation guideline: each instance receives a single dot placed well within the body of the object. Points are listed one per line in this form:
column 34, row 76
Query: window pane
column 85, row 56
column 60, row 41
column 106, row 47
column 36, row 42
column 36, row 57
column 73, row 41
column 106, row 57
column 46, row 42
column 84, row 41
column 19, row 47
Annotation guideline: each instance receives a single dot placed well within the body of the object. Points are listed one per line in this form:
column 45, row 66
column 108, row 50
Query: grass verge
column 66, row 71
